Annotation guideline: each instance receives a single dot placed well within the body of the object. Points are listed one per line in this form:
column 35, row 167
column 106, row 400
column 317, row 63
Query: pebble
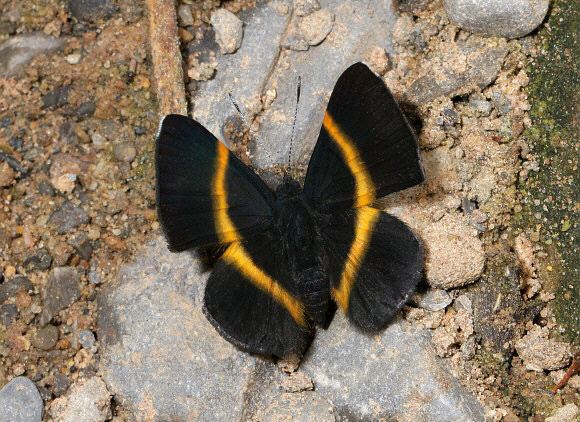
column 67, row 217
column 41, row 260
column 316, row 26
column 8, row 313
column 402, row 30
column 6, row 121
column 83, row 247
column 60, row 384
column 124, row 151
column 228, row 30
column 539, row 352
column 62, row 290
column 20, row 401
column 87, row 339
column 16, row 142
column 568, row 413
column 92, row 10
column 377, row 60
column 86, row 109
column 7, row 175
column 73, row 58
column 184, row 14
column 503, row 18
column 306, row 7
column 432, row 300
column 85, row 401
column 18, row 50
column 45, row 338
column 14, row 286
column 56, row 98
column 462, row 260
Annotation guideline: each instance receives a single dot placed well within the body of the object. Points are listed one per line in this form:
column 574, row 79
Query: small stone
column 316, row 26
column 60, row 384
column 184, row 15
column 73, row 58
column 45, row 338
column 503, row 18
column 568, row 413
column 20, row 49
column 65, row 183
column 41, row 260
column 61, row 291
column 14, row 286
column 295, row 42
column 462, row 260
column 7, row 175
column 87, row 339
column 67, row 217
column 6, row 121
column 228, row 30
column 85, row 401
column 16, row 142
column 402, row 30
column 92, row 10
column 8, row 313
column 306, row 7
column 480, row 104
column 432, row 299
column 56, row 98
column 378, row 60
column 124, row 151
column 45, row 188
column 535, row 348
column 83, row 247
column 140, row 130
column 20, row 401
column 86, row 109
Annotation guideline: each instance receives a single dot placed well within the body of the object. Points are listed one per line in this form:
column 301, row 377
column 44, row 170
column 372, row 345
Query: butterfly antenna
column 242, row 116
column 294, row 122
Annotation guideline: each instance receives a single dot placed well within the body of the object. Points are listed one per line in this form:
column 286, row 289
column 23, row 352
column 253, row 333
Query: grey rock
column 248, row 81
column 316, row 26
column 432, row 300
column 67, row 217
column 87, row 339
column 45, row 188
column 229, row 30
column 20, row 401
column 56, row 98
column 501, row 103
column 8, row 313
column 83, row 247
column 483, row 66
column 60, row 384
column 92, row 10
column 312, row 408
column 161, row 294
column 41, row 260
column 401, row 377
column 45, row 338
column 503, row 18
column 62, row 290
column 13, row 286
column 20, row 49
column 86, row 109
column 184, row 14
column 568, row 413
column 480, row 104
column 85, row 401
column 305, row 7
column 153, row 308
column 16, row 142
column 124, row 151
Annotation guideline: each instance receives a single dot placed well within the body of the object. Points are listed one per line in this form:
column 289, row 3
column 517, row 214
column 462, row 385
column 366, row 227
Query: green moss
column 555, row 93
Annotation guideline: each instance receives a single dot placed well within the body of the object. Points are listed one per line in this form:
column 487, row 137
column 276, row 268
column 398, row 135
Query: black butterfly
column 290, row 255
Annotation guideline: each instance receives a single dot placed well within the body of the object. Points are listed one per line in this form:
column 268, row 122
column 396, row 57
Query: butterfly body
column 294, row 254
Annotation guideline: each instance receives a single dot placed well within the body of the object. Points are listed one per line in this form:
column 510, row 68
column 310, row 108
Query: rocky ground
column 91, row 328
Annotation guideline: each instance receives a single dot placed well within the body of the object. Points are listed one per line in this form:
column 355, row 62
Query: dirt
column 93, row 148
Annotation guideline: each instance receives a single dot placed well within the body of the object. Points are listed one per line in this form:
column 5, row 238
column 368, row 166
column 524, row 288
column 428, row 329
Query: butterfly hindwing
column 366, row 149
column 374, row 262
column 252, row 301
column 202, row 188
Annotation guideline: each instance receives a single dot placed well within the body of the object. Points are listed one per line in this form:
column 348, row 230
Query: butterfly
column 294, row 254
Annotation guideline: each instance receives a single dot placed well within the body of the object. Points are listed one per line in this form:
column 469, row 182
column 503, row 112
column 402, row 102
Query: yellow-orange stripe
column 236, row 254
column 364, row 189
column 365, row 218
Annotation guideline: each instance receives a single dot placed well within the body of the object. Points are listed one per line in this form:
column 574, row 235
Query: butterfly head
column 289, row 187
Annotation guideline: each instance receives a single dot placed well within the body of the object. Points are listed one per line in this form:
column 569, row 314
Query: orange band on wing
column 236, row 254
column 365, row 218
